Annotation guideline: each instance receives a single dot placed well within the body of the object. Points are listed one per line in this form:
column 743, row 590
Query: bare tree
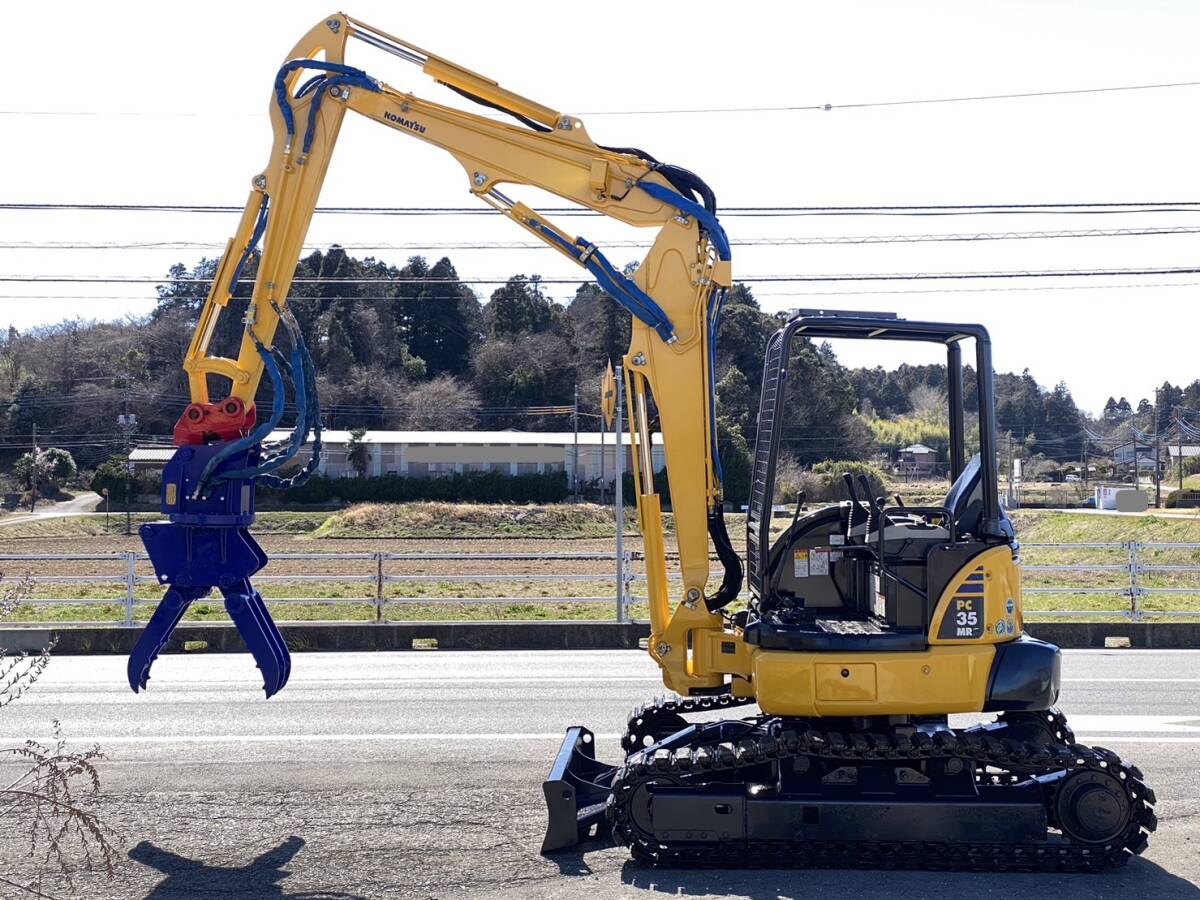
column 928, row 403
column 46, row 800
column 441, row 404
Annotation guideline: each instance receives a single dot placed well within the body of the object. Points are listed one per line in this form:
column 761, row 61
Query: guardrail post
column 1135, row 590
column 379, row 597
column 624, row 586
column 130, row 584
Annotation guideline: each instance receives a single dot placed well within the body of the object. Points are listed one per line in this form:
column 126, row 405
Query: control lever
column 873, row 508
column 801, row 496
column 854, row 504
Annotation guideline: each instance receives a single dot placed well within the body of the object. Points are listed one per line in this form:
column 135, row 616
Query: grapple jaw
column 206, row 544
column 577, row 791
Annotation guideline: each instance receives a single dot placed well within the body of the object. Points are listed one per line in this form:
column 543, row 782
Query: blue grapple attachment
column 206, row 544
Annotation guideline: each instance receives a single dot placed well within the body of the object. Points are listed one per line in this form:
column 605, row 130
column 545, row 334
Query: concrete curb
column 575, row 635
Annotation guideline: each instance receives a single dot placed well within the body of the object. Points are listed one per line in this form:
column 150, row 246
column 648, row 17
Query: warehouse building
column 432, row 454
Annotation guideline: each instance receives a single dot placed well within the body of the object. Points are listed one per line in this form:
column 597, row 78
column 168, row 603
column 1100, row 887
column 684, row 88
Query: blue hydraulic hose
column 720, row 242
column 620, row 288
column 260, row 226
column 314, row 416
column 299, row 432
column 263, row 429
column 689, row 207
column 362, row 79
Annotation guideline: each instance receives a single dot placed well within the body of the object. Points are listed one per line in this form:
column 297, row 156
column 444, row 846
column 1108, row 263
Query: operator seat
column 965, row 499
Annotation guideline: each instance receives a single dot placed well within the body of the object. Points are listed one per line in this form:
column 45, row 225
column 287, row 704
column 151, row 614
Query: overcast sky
column 166, row 103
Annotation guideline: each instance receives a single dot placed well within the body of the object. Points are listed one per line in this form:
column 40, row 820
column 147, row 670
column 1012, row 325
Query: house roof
column 918, row 448
column 151, row 454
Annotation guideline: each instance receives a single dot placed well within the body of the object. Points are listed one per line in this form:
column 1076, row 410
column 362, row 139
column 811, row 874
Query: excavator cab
column 867, row 573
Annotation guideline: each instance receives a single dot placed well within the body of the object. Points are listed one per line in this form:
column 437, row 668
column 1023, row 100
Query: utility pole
column 1011, row 499
column 1137, row 466
column 603, row 434
column 127, row 422
column 1179, row 429
column 33, row 472
column 1157, row 450
column 575, row 451
column 619, row 494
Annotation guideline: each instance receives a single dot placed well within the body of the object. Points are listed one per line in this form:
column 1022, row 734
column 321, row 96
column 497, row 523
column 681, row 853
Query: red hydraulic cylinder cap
column 226, row 420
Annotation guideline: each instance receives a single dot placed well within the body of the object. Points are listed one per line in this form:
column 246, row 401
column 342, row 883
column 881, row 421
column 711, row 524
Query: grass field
column 445, row 585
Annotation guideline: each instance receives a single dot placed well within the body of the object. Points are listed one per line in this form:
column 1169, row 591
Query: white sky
column 174, row 96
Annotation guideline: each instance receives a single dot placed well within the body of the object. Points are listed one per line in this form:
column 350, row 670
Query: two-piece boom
column 867, row 623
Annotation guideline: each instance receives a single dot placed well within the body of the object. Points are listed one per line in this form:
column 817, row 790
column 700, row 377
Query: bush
column 476, row 487
column 1186, row 499
column 661, row 486
column 833, row 470
column 735, row 463
column 112, row 475
column 51, row 468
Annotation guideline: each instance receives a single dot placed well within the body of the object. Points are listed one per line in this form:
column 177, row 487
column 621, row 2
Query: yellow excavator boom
column 675, row 294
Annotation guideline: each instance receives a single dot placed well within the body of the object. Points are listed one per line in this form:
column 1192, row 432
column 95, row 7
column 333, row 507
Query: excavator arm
column 675, row 299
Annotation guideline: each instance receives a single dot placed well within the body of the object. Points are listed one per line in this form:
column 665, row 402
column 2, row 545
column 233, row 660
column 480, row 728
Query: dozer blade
column 577, row 792
column 254, row 623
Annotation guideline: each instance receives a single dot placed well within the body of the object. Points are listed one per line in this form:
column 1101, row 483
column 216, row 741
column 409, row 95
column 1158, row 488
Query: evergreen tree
column 439, row 323
column 517, row 308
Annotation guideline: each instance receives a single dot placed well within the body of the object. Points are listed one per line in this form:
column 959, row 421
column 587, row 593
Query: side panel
column 940, row 680
column 982, row 603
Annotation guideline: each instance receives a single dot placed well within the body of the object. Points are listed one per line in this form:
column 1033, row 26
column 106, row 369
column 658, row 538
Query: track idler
column 206, row 544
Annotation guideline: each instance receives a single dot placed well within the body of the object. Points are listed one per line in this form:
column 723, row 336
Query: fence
column 1131, row 569
column 1127, row 579
column 378, row 573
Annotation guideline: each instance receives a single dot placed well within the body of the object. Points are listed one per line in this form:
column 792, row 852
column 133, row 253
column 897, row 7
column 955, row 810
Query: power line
column 760, row 294
column 827, row 107
column 965, row 290
column 810, row 240
column 751, row 279
column 1089, row 208
column 808, row 107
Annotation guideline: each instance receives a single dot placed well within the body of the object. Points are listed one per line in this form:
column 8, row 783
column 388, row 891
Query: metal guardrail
column 125, row 573
column 1132, row 566
column 380, row 575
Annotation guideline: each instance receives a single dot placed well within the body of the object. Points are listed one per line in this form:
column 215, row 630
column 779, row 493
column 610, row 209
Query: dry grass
column 469, row 520
column 46, row 801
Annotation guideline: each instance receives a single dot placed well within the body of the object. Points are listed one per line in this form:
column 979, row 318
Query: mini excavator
column 868, row 623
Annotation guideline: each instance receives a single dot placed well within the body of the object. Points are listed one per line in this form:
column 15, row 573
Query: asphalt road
column 418, row 775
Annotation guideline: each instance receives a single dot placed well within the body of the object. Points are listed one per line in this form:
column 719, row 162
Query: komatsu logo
column 405, row 123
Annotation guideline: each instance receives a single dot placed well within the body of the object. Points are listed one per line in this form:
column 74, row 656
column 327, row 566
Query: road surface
column 81, row 505
column 418, row 774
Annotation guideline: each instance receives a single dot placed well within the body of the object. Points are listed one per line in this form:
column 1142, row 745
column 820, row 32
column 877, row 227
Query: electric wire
column 766, row 241
column 767, row 210
column 807, row 107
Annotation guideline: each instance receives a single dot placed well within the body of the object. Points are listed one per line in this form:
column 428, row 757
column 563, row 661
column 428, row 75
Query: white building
column 431, row 454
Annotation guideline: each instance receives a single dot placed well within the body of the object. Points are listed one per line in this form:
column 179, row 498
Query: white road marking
column 532, row 678
column 1130, row 735
column 305, row 738
column 1131, row 680
column 1135, row 724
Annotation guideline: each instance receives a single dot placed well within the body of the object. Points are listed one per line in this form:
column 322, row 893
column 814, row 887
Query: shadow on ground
column 259, row 878
column 1139, row 878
